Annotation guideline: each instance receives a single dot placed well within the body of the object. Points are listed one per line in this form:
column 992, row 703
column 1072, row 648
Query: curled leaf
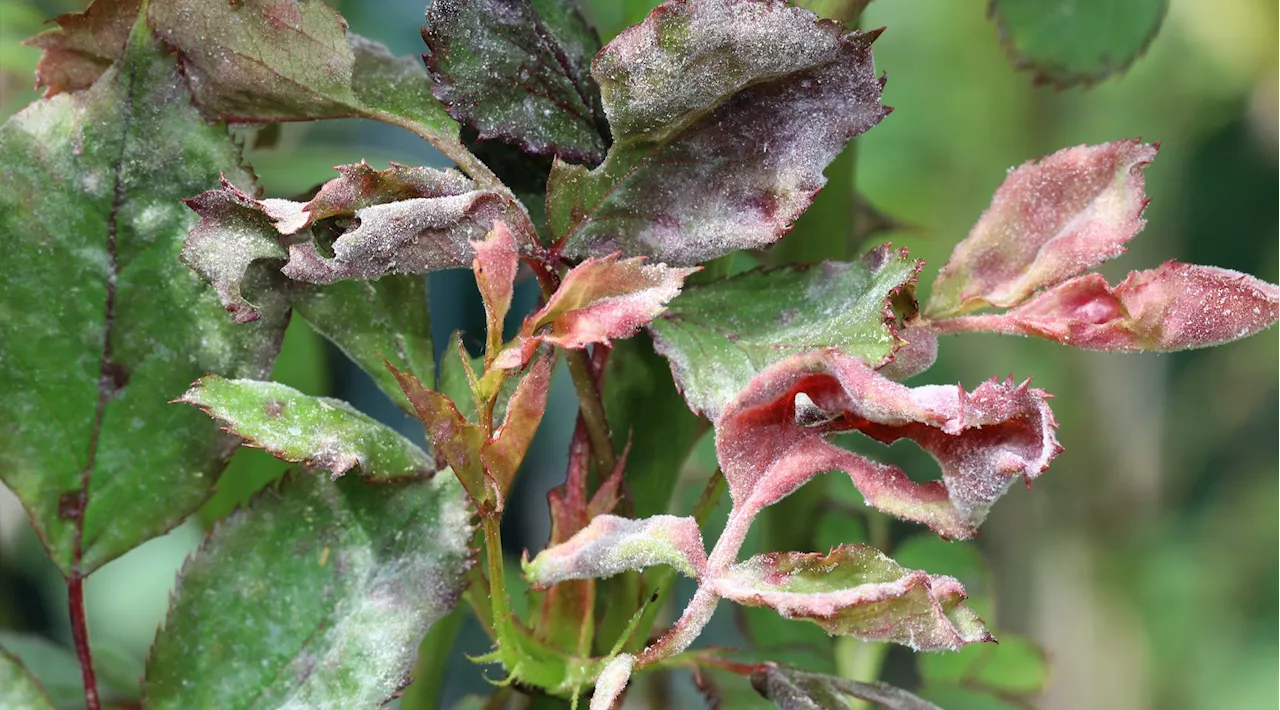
column 1050, row 220
column 611, row 545
column 612, row 681
column 724, row 114
column 770, row 439
column 857, row 591
column 359, row 186
column 1174, row 307
column 505, row 450
column 83, row 45
column 452, row 437
column 495, row 268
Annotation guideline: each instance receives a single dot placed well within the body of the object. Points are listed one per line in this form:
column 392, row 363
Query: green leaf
column 517, row 71
column 57, row 670
column 962, row 560
column 724, row 114
column 1014, row 668
column 718, row 336
column 645, row 408
column 18, row 689
column 954, row 698
column 317, row 595
column 373, row 320
column 1068, row 42
column 318, row 431
column 265, row 61
column 100, row 324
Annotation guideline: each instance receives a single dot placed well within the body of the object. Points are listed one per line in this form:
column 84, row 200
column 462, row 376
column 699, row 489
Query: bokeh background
column 1145, row 561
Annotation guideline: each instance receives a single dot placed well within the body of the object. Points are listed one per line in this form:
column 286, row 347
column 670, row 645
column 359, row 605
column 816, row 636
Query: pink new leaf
column 857, row 591
column 770, row 439
column 611, row 545
column 495, row 268
column 504, row 452
column 1050, row 220
column 1174, row 307
column 599, row 300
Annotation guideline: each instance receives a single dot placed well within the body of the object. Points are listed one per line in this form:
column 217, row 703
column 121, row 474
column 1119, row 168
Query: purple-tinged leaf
column 611, row 682
column 770, row 439
column 516, row 71
column 495, row 268
column 316, row 431
column 232, row 233
column 721, row 334
column 1174, row 307
column 452, row 437
column 505, row 450
column 611, row 545
column 83, row 45
column 857, row 591
column 917, row 354
column 724, row 114
column 794, row 689
column 1049, row 221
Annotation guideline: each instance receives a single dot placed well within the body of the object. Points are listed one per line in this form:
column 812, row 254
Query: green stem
column 433, row 661
column 452, row 148
column 861, row 662
column 503, row 627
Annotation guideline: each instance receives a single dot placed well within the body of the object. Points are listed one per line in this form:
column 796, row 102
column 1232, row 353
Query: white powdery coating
column 611, row 545
column 612, row 681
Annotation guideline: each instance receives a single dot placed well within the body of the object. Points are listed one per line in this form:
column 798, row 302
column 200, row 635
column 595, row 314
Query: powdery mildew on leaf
column 1050, row 220
column 612, row 681
column 18, row 688
column 611, row 545
column 769, row 442
column 317, row 431
column 101, row 321
column 857, row 591
column 516, row 71
column 495, row 266
column 1174, row 307
column 83, row 45
column 360, row 186
column 505, row 450
column 718, row 336
column 724, row 114
column 316, row 595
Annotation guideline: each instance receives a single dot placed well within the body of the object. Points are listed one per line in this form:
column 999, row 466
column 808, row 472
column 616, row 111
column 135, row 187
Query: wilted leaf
column 793, row 689
column 719, row 335
column 1174, row 307
column 857, row 591
column 316, row 431
column 599, row 300
column 1049, row 221
column 327, row 586
column 724, row 114
column 516, row 71
column 612, row 681
column 611, row 545
column 83, row 45
column 359, row 186
column 374, row 322
column 770, row 439
column 100, row 324
column 1067, row 42
column 18, row 689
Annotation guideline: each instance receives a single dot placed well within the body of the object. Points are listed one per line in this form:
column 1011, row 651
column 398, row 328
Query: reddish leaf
column 611, row 545
column 83, row 45
column 770, row 439
column 1174, row 307
column 495, row 268
column 503, row 453
column 452, row 437
column 857, row 591
column 599, row 300
column 1049, row 221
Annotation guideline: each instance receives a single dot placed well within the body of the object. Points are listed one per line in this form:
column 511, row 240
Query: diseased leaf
column 57, row 670
column 1069, row 42
column 265, row 61
column 505, row 450
column 611, row 545
column 612, row 681
column 1174, row 307
column 374, row 322
column 1050, row 220
column 770, row 439
column 794, row 689
column 857, row 591
column 495, row 266
column 599, row 300
column 452, row 437
column 719, row 335
column 83, row 45
column 516, row 71
column 316, row 431
column 961, row 560
column 724, row 114
column 100, row 324
column 328, row 586
column 18, row 689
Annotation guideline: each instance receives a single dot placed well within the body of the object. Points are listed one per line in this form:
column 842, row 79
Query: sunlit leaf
column 720, row 335
column 101, row 324
column 317, row 431
column 326, row 586
column 724, row 114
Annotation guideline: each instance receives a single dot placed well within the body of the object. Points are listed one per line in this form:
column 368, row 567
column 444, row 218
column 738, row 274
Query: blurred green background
column 1145, row 561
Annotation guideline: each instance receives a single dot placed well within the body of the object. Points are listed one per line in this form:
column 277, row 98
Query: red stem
column 80, row 632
